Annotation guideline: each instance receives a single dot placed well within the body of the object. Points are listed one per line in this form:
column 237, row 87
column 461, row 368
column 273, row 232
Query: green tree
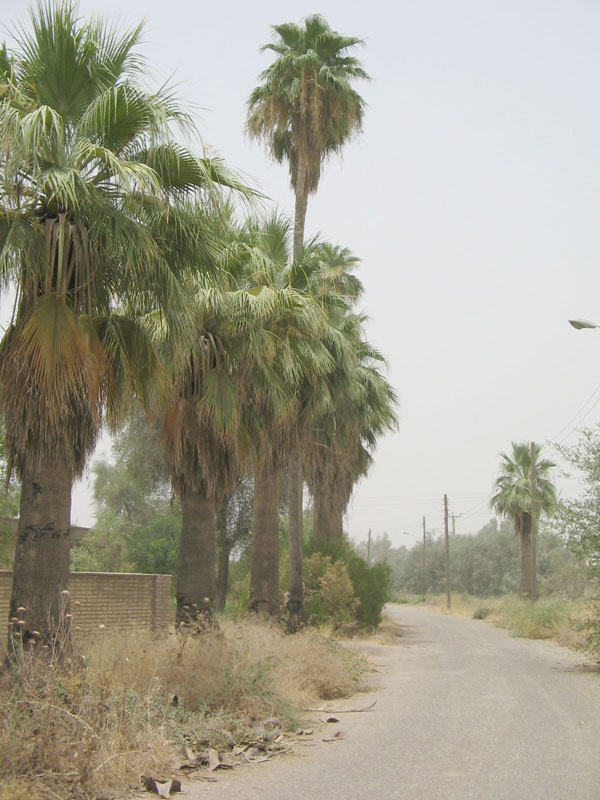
column 89, row 167
column 513, row 499
column 134, row 508
column 153, row 546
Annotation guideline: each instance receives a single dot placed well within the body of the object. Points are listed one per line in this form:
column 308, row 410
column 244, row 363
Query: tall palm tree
column 93, row 229
column 512, row 498
column 324, row 272
column 293, row 335
column 200, row 442
column 306, row 109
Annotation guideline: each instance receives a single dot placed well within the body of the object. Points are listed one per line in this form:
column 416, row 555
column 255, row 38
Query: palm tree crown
column 513, row 491
column 306, row 109
column 92, row 188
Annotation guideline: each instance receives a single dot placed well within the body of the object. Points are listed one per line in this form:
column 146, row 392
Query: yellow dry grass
column 91, row 727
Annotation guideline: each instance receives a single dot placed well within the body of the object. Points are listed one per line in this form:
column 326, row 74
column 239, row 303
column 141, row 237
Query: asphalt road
column 464, row 712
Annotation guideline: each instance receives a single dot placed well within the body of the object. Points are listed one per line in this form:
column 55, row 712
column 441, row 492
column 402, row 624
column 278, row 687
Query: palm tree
column 306, row 109
column 93, row 228
column 200, row 442
column 291, row 349
column 324, row 272
column 513, row 499
column 356, row 411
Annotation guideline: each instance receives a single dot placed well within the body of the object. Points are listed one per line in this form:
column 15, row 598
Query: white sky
column 472, row 198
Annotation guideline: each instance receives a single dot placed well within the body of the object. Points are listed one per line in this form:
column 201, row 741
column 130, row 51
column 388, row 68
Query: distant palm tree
column 513, row 499
column 94, row 231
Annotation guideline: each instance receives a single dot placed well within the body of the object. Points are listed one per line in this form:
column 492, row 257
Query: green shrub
column 482, row 612
column 372, row 588
column 590, row 628
column 329, row 596
column 539, row 620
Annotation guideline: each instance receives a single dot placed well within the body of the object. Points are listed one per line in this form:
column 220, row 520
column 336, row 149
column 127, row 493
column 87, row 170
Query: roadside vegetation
column 225, row 351
column 128, row 706
column 556, row 618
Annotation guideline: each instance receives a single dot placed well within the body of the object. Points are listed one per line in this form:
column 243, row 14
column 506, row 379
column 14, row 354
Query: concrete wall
column 119, row 601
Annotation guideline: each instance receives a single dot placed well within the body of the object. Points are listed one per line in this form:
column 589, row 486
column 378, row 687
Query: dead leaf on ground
column 337, row 736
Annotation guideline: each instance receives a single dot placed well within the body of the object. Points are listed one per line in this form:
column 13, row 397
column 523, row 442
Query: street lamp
column 579, row 324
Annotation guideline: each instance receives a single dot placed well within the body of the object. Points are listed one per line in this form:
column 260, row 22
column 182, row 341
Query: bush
column 370, row 584
column 482, row 612
column 329, row 596
column 540, row 620
column 372, row 588
column 590, row 627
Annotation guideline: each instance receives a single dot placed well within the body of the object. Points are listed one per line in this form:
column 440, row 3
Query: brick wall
column 117, row 600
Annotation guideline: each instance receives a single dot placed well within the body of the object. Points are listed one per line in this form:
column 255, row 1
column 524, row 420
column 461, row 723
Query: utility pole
column 532, row 491
column 448, row 598
column 424, row 573
column 454, row 517
column 369, row 548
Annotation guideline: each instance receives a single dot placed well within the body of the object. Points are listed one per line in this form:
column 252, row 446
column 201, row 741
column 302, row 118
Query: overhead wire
column 575, row 417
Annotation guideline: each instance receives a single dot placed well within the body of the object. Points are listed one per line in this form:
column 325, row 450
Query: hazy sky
column 472, row 198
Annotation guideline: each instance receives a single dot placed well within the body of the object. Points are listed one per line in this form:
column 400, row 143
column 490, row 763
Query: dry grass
column 89, row 728
column 557, row 619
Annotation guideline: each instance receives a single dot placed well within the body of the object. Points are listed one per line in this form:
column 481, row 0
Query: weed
column 89, row 725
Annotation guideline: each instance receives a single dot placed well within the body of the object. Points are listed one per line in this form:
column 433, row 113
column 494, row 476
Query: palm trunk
column 295, row 482
column 524, row 531
column 264, row 561
column 322, row 516
column 300, row 206
column 222, row 577
column 196, row 573
column 336, row 521
column 40, row 597
column 329, row 511
column 534, row 587
column 295, row 601
column 223, row 557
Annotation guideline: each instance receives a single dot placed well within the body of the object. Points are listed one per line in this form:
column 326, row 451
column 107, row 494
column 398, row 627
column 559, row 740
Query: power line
column 581, row 410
